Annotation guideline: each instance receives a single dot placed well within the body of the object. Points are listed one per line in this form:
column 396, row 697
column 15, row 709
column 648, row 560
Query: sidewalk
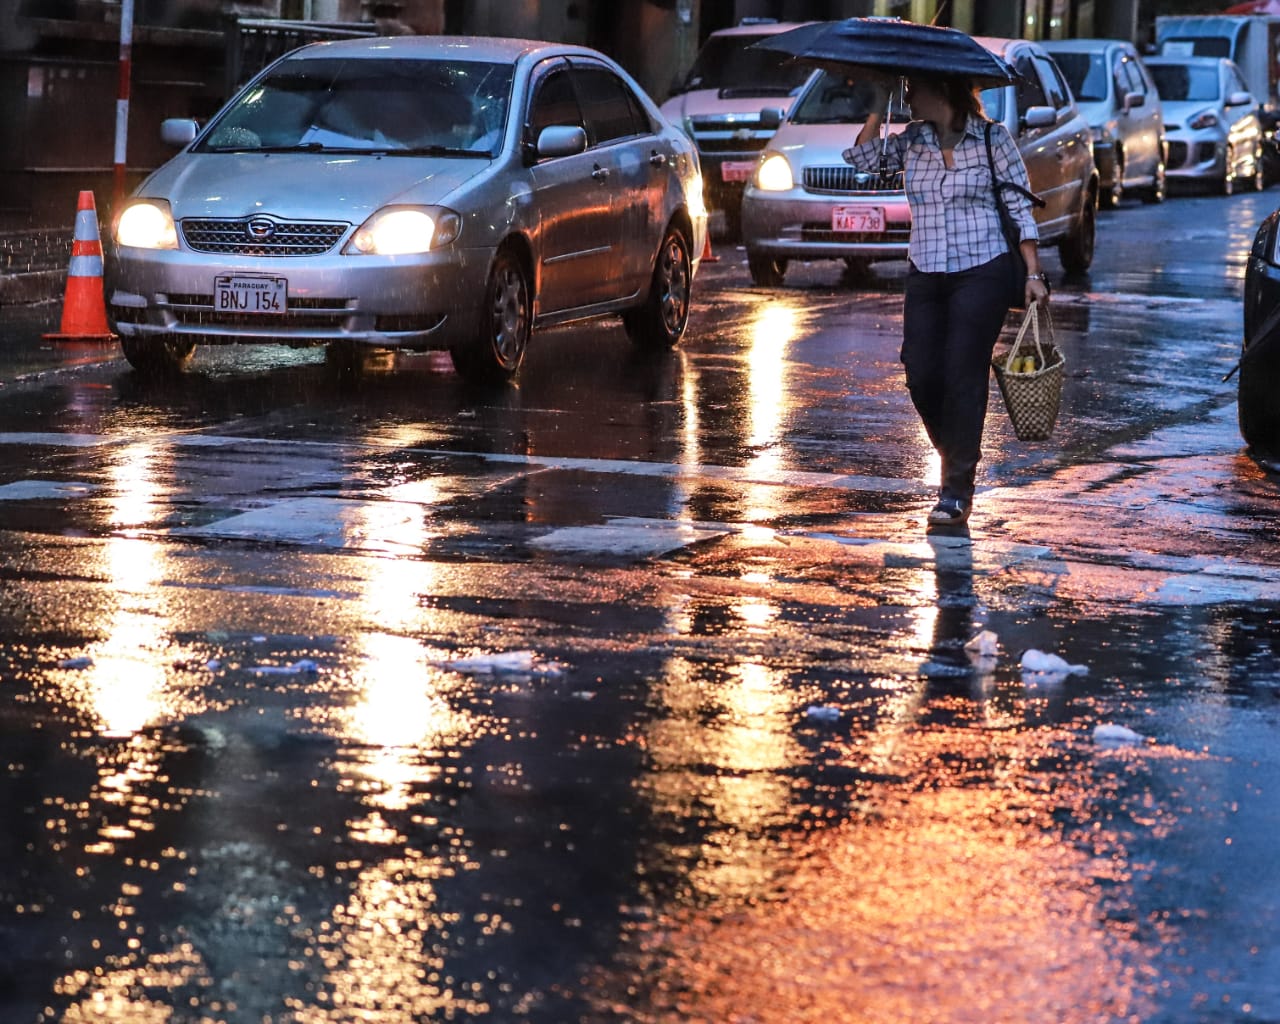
column 33, row 264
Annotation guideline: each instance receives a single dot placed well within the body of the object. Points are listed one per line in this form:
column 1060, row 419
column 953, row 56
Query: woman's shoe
column 949, row 512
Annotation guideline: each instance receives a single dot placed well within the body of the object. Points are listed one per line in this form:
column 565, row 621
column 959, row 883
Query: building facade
column 59, row 60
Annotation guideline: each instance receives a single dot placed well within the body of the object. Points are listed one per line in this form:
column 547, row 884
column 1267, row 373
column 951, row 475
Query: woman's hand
column 1037, row 290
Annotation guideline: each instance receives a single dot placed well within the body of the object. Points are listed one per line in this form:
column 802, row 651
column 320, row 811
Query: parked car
column 719, row 105
column 1119, row 100
column 1211, row 121
column 413, row 193
column 1259, row 374
column 805, row 202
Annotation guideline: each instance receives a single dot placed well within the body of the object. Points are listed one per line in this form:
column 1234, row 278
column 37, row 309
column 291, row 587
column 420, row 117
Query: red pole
column 122, row 100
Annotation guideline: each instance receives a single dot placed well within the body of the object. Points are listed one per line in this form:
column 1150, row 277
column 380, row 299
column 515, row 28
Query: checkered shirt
column 954, row 223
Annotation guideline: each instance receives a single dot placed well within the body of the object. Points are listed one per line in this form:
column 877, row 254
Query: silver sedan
column 413, row 193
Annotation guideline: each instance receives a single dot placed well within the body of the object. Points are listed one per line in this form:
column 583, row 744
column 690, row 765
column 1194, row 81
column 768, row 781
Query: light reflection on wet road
column 637, row 693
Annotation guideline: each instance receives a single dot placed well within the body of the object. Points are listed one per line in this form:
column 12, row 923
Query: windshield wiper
column 437, row 151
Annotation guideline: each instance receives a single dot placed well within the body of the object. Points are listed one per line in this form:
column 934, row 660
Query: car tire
column 1076, row 250
column 1110, row 198
column 494, row 355
column 1256, row 407
column 766, row 271
column 1257, row 181
column 660, row 322
column 1159, row 188
column 158, row 357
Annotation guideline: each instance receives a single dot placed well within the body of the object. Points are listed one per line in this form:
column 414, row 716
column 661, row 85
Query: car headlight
column 695, row 197
column 147, row 224
column 402, row 230
column 1206, row 120
column 774, row 174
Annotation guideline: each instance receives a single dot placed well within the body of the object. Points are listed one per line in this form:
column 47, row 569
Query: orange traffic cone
column 84, row 309
column 707, row 255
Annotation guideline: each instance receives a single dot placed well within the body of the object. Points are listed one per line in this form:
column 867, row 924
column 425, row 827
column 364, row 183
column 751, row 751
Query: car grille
column 304, row 313
column 287, row 238
column 844, row 178
column 893, row 234
column 719, row 136
column 1177, row 154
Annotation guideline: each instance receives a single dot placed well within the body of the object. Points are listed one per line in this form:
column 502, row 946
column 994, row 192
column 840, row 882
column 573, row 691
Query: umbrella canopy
column 890, row 46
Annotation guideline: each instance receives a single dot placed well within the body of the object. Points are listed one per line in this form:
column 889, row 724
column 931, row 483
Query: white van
column 719, row 105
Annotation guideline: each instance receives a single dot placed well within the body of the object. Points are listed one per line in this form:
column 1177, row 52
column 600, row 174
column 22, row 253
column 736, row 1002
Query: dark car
column 1259, row 374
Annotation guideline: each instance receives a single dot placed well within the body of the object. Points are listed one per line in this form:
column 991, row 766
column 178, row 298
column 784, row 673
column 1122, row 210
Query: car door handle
column 600, row 173
column 658, row 159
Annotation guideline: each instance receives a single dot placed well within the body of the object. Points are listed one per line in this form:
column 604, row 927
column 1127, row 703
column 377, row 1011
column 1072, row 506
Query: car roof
column 1086, row 45
column 494, row 49
column 1202, row 61
column 1000, row 46
column 764, row 28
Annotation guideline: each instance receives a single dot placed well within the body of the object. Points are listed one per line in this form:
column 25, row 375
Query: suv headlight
column 774, row 174
column 147, row 224
column 1206, row 120
column 403, row 230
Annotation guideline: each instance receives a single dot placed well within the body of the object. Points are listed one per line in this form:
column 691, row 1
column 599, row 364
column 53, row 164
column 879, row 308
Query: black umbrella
column 890, row 46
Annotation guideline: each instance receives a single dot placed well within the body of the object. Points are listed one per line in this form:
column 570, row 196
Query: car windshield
column 731, row 65
column 1185, row 81
column 369, row 105
column 839, row 99
column 1086, row 73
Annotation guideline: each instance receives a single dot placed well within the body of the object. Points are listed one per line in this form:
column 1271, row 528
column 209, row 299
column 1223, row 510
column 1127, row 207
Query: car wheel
column 1258, row 181
column 660, row 322
column 1112, row 196
column 496, row 352
column 1076, row 250
column 1258, row 414
column 1159, row 186
column 158, row 357
column 766, row 272
column 1228, row 184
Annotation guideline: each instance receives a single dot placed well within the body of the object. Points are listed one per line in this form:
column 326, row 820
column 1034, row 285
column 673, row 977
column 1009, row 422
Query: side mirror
column 1239, row 99
column 1133, row 100
column 1040, row 117
column 561, row 140
column 178, row 131
column 771, row 118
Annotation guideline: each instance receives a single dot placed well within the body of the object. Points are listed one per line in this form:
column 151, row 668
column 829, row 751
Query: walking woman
column 957, row 289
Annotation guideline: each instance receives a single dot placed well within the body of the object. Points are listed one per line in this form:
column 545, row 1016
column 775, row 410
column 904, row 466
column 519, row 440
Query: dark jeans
column 950, row 326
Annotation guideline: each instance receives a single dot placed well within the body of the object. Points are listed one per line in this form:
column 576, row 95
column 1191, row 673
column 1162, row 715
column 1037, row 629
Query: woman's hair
column 962, row 96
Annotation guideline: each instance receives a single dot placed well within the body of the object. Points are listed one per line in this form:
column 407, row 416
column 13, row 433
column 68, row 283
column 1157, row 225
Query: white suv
column 720, row 103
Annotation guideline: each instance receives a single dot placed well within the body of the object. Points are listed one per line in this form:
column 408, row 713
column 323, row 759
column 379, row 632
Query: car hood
column 1097, row 113
column 326, row 186
column 1178, row 112
column 707, row 103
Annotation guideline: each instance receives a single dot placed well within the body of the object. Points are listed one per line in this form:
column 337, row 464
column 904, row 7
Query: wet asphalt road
column 638, row 693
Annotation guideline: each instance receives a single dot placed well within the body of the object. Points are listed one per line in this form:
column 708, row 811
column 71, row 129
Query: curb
column 32, row 287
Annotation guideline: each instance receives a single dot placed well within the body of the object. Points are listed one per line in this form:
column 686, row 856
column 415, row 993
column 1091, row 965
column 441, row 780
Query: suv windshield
column 1086, row 73
column 369, row 105
column 840, row 99
column 730, row 64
